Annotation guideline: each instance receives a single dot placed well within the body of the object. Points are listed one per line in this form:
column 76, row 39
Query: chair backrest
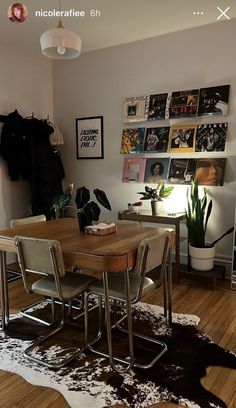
column 40, row 255
column 18, row 222
column 152, row 253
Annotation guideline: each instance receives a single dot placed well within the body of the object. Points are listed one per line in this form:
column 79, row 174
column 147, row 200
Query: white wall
column 26, row 85
column 96, row 83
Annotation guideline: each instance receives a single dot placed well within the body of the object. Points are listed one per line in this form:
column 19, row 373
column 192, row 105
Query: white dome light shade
column 60, row 43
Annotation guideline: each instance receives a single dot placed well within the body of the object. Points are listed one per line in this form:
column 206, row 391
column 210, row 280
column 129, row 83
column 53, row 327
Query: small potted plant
column 88, row 211
column 156, row 195
column 61, row 201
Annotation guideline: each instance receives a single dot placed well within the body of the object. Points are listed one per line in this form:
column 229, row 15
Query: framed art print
column 89, row 138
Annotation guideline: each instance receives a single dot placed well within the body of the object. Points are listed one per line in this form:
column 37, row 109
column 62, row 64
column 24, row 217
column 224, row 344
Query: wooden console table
column 175, row 219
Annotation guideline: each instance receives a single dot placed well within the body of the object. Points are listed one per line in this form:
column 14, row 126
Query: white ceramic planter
column 202, row 259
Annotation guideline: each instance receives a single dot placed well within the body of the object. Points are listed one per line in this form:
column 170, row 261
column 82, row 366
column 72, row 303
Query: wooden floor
column 216, row 309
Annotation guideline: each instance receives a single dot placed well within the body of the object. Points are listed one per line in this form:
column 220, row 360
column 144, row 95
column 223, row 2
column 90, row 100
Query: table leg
column 167, row 282
column 169, row 289
column 177, row 251
column 4, row 291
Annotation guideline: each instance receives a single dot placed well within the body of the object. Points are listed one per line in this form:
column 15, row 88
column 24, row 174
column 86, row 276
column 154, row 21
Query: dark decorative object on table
column 89, row 211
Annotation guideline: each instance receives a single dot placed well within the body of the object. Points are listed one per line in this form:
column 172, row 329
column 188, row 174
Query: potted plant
column 198, row 212
column 61, row 201
column 156, row 195
column 88, row 211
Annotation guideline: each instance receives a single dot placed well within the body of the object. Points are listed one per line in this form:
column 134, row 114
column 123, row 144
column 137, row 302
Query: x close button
column 223, row 13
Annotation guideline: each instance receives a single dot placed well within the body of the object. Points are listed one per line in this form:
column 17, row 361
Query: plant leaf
column 102, row 198
column 92, row 212
column 82, row 196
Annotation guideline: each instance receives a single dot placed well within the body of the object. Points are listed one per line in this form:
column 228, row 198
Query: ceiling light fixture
column 60, row 43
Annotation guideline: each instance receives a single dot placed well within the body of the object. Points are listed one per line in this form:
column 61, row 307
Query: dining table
column 104, row 253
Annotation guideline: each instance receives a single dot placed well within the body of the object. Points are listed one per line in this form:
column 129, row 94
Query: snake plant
column 197, row 213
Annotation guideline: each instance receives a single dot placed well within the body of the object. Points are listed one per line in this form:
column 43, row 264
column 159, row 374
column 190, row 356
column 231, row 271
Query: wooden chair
column 42, row 256
column 152, row 253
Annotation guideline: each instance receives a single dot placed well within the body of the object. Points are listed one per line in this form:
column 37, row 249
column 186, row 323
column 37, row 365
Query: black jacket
column 26, row 148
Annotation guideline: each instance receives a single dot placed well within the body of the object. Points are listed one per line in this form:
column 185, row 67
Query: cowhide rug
column 89, row 381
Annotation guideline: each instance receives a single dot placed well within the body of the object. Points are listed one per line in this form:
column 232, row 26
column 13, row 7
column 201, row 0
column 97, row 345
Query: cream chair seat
column 42, row 256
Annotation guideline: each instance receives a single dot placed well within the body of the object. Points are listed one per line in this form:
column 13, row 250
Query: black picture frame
column 89, row 138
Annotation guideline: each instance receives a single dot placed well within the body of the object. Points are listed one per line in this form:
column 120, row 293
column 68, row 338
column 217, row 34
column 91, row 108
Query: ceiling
column 120, row 21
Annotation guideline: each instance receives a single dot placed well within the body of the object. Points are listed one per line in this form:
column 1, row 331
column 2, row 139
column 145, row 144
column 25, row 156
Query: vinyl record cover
column 135, row 109
column 156, row 170
column 132, row 140
column 214, row 101
column 211, row 137
column 182, row 171
column 182, row 138
column 156, row 139
column 210, row 171
column 158, row 106
column 184, row 103
column 134, row 168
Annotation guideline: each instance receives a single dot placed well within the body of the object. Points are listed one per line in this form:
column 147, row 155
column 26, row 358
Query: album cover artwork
column 156, row 139
column 210, row 171
column 182, row 171
column 182, row 138
column 158, row 106
column 156, row 170
column 132, row 140
column 211, row 137
column 213, row 100
column 134, row 168
column 135, row 109
column 184, row 103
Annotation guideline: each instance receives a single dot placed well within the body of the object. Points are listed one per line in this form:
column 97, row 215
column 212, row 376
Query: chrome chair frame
column 143, row 253
column 14, row 267
column 57, row 270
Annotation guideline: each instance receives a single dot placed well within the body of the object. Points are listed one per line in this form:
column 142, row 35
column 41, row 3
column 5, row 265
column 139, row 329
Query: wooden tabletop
column 113, row 252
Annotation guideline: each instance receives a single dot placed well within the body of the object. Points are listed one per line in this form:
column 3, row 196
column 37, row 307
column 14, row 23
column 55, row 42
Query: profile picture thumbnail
column 17, row 13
